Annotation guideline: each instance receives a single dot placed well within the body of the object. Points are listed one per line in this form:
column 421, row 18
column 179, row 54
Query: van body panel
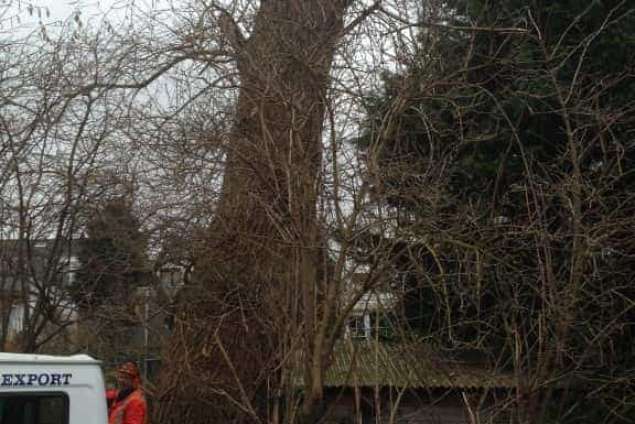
column 79, row 378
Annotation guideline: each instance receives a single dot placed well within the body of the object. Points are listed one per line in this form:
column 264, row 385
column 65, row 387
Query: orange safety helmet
column 130, row 370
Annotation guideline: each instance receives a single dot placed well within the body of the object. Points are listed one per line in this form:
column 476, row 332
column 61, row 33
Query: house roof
column 368, row 364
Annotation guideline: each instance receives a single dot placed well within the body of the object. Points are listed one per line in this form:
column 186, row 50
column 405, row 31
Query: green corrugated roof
column 414, row 365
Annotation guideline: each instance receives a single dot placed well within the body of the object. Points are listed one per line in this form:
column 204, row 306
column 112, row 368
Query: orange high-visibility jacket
column 130, row 410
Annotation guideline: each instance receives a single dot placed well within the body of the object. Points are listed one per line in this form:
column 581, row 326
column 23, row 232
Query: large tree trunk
column 260, row 260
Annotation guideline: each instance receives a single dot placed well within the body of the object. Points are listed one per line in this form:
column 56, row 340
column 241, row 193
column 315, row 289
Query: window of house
column 370, row 326
column 380, row 326
column 170, row 276
column 45, row 408
column 68, row 268
column 357, row 327
column 152, row 368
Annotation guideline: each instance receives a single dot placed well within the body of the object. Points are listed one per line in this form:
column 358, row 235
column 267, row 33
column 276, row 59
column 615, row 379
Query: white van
column 42, row 389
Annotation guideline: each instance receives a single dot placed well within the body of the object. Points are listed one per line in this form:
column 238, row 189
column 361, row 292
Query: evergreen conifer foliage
column 113, row 257
column 507, row 159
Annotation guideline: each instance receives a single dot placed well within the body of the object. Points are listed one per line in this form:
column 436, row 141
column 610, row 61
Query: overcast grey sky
column 52, row 11
column 23, row 16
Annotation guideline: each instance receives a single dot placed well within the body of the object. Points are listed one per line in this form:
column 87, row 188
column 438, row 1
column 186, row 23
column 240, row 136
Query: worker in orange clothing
column 128, row 404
